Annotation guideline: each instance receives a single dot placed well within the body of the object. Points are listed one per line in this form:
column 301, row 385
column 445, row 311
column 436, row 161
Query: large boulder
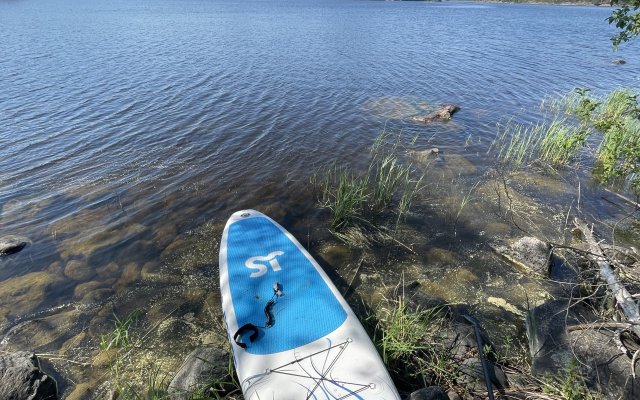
column 22, row 379
column 609, row 368
column 11, row 244
column 202, row 367
column 530, row 254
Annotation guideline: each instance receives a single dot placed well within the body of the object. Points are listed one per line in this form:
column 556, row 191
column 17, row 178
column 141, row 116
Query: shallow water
column 130, row 132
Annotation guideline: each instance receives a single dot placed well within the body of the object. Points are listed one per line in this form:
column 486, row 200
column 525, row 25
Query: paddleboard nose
column 242, row 214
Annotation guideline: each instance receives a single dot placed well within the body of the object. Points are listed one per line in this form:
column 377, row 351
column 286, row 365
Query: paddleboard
column 292, row 334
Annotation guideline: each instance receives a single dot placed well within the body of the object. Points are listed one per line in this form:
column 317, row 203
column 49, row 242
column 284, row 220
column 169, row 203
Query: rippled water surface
column 129, row 131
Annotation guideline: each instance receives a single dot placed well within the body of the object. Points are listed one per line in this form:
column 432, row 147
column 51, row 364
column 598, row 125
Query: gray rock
column 529, row 253
column 429, row 393
column 608, row 367
column 460, row 340
column 548, row 341
column 472, row 374
column 201, row 368
column 22, row 379
column 453, row 395
column 11, row 244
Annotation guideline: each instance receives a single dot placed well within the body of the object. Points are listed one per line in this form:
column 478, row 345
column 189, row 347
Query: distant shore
column 587, row 3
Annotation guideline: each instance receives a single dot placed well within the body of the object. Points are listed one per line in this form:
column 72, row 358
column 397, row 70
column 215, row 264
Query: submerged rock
column 22, row 378
column 78, row 270
column 529, row 253
column 202, row 367
column 443, row 113
column 425, row 156
column 396, row 107
column 11, row 244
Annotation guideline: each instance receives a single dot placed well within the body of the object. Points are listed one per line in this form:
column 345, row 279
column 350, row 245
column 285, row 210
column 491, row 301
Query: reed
column 560, row 142
column 389, row 175
column 406, row 338
column 347, row 201
column 386, row 186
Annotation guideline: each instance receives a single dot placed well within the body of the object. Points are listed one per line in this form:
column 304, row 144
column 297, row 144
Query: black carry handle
column 237, row 337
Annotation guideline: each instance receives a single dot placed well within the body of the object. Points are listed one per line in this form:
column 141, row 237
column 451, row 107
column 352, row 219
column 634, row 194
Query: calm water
column 124, row 126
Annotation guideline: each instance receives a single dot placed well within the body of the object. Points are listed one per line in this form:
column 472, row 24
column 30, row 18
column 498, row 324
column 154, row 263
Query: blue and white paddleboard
column 293, row 335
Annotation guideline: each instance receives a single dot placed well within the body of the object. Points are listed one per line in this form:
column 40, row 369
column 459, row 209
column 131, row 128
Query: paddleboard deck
column 292, row 334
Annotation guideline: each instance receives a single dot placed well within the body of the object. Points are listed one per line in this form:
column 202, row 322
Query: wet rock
column 472, row 374
column 84, row 246
column 425, row 156
column 164, row 234
column 26, row 292
column 429, row 393
column 529, row 254
column 502, row 303
column 44, row 333
column 130, row 275
column 55, row 268
column 618, row 61
column 78, row 270
column 337, row 254
column 108, row 271
column 443, row 113
column 83, row 289
column 606, row 363
column 22, row 378
column 12, row 244
column 202, row 366
column 549, row 344
column 98, row 296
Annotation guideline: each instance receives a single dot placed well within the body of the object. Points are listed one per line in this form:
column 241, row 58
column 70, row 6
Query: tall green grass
column 407, row 340
column 553, row 142
column 387, row 186
column 345, row 195
column 573, row 122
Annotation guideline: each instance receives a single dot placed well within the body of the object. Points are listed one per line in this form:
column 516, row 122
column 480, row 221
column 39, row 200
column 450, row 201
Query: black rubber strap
column 237, row 337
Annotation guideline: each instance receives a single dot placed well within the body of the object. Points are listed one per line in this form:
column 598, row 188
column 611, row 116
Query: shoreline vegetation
column 564, row 347
column 573, row 336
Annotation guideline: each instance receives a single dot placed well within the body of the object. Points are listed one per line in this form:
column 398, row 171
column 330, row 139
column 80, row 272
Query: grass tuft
column 406, row 339
column 387, row 186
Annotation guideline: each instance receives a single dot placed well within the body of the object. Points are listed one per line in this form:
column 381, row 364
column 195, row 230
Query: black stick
column 485, row 368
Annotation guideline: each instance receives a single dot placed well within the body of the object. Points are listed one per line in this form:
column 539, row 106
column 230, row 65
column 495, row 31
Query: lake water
column 130, row 132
